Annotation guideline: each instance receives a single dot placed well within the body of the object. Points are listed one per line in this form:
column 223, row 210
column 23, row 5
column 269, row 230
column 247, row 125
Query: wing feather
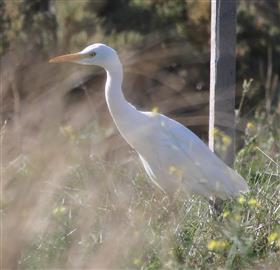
column 202, row 172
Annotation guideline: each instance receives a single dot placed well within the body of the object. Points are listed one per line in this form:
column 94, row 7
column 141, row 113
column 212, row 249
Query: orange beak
column 66, row 58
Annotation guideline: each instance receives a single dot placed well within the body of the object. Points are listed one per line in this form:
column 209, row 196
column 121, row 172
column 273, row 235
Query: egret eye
column 92, row 54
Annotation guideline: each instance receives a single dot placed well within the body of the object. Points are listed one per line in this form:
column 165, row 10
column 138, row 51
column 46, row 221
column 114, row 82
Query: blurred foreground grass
column 74, row 196
column 87, row 213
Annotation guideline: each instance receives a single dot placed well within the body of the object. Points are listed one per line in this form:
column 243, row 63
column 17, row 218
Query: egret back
column 175, row 157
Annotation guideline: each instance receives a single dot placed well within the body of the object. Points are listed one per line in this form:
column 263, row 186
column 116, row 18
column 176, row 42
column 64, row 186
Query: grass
column 97, row 214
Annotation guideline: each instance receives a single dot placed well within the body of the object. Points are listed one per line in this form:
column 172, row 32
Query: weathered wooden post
column 222, row 76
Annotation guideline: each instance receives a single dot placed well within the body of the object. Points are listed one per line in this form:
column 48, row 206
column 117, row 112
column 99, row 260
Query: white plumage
column 172, row 155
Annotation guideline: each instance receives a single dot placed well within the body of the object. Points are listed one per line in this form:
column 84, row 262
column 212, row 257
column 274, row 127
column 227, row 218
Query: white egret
column 172, row 155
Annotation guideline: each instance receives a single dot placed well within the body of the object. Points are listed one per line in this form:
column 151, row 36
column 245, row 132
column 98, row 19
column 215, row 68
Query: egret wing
column 177, row 149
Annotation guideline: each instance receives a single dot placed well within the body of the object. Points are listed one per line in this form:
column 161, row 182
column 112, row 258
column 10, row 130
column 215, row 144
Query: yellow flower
column 223, row 244
column 241, row 199
column 59, row 210
column 136, row 261
column 272, row 237
column 253, row 202
column 250, row 125
column 212, row 245
column 225, row 214
column 175, row 170
column 226, row 140
column 155, row 109
column 68, row 131
column 154, row 112
column 217, row 244
column 237, row 217
column 172, row 169
column 215, row 132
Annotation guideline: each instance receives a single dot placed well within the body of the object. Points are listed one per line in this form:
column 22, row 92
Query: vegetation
column 104, row 214
column 74, row 195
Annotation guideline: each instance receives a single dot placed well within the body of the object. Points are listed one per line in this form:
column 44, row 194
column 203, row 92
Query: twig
column 267, row 156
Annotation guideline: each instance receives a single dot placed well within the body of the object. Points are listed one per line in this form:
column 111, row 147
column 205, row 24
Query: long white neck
column 113, row 89
column 122, row 112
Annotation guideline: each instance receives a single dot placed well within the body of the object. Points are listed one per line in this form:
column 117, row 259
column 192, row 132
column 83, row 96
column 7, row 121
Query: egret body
column 172, row 155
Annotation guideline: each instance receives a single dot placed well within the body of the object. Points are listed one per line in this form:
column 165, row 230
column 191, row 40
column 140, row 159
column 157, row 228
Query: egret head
column 96, row 54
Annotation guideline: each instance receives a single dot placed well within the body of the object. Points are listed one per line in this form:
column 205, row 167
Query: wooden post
column 222, row 77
